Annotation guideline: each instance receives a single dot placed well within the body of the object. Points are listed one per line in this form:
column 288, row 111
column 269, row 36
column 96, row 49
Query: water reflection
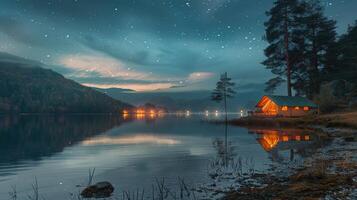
column 282, row 146
column 33, row 137
column 294, row 141
column 149, row 117
column 230, row 161
column 61, row 149
column 134, row 139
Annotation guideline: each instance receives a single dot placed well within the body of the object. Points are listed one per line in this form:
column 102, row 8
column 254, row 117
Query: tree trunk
column 287, row 56
column 225, row 99
column 315, row 67
column 226, row 121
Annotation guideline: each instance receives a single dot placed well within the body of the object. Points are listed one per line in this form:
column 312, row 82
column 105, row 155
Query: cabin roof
column 290, row 101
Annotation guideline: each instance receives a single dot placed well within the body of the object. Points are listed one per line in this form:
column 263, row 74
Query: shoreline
column 333, row 120
column 329, row 173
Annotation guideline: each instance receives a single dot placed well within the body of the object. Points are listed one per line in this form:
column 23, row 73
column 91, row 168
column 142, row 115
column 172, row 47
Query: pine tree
column 345, row 55
column 224, row 90
column 279, row 33
column 320, row 36
column 301, row 43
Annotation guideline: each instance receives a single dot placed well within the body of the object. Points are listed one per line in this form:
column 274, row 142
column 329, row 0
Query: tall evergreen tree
column 223, row 91
column 344, row 56
column 320, row 36
column 279, row 33
column 300, row 38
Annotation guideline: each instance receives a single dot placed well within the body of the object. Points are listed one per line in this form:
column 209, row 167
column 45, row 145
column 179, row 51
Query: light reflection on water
column 134, row 139
column 128, row 152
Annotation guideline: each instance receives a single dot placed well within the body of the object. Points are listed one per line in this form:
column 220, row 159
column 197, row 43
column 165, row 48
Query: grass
column 309, row 183
column 344, row 119
column 90, row 176
column 160, row 191
column 340, row 119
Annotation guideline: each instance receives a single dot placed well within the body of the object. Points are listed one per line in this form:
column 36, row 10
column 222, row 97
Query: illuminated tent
column 286, row 106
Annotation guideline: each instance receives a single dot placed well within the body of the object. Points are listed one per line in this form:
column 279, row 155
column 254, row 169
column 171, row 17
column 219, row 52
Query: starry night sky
column 172, row 45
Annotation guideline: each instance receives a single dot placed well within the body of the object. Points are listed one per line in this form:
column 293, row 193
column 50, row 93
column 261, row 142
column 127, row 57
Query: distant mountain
column 192, row 100
column 114, row 91
column 27, row 87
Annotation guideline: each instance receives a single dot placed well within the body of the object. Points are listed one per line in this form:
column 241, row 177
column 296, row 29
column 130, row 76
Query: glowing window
column 285, row 138
column 298, row 137
column 284, row 108
column 307, row 137
column 297, row 108
column 306, row 108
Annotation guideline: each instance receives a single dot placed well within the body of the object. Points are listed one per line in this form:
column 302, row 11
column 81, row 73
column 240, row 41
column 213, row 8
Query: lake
column 131, row 153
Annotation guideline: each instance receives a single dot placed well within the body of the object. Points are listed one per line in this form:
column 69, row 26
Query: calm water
column 130, row 153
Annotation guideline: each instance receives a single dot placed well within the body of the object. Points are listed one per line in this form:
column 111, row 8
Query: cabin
column 284, row 106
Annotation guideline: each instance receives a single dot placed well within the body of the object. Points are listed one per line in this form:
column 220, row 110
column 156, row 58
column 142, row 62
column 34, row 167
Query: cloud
column 87, row 65
column 168, row 56
column 171, row 18
column 199, row 76
column 130, row 55
column 105, row 72
column 133, row 44
column 22, row 32
column 15, row 30
column 147, row 85
column 139, row 87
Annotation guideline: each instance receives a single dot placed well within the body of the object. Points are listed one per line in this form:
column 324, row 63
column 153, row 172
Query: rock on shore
column 98, row 190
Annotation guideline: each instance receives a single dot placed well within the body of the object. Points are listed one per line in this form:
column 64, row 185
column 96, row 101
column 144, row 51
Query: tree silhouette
column 280, row 31
column 224, row 89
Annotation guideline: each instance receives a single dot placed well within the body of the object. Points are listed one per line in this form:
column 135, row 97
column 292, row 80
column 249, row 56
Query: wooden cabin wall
column 292, row 112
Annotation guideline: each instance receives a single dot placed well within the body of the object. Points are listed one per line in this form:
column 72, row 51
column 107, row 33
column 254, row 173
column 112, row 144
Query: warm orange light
column 152, row 112
column 306, row 108
column 284, row 108
column 298, row 137
column 140, row 116
column 307, row 137
column 125, row 115
column 139, row 111
column 285, row 138
column 269, row 141
column 269, row 108
column 125, row 112
column 297, row 108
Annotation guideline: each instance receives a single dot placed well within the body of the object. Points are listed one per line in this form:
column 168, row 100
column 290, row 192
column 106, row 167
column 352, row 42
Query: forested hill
column 31, row 89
